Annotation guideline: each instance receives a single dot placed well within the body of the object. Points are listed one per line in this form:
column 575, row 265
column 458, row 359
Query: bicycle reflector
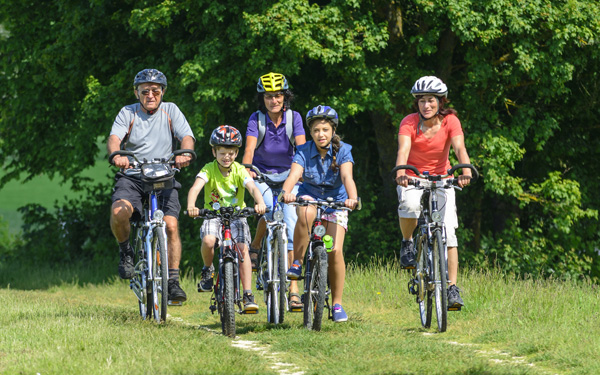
column 278, row 215
column 320, row 230
column 437, row 217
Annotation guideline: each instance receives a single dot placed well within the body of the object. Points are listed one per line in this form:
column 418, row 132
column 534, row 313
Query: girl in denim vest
column 325, row 164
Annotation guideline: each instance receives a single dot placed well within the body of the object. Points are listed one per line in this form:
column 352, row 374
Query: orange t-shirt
column 430, row 154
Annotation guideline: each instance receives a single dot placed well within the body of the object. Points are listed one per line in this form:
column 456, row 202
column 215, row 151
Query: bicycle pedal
column 297, row 309
column 407, row 267
column 454, row 308
column 249, row 312
column 175, row 303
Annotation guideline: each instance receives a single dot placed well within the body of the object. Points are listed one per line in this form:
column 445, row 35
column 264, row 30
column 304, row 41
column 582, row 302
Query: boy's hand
column 260, row 208
column 289, row 197
column 351, row 203
column 193, row 211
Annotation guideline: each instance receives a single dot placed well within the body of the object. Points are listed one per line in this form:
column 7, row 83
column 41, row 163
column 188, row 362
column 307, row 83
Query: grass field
column 78, row 320
column 41, row 190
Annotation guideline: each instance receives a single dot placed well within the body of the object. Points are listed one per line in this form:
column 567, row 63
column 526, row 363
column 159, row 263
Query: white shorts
column 409, row 207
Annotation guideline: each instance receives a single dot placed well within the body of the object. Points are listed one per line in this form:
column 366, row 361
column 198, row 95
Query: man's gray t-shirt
column 150, row 135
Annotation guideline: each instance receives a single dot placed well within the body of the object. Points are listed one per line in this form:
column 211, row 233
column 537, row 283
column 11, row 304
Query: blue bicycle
column 148, row 235
column 273, row 257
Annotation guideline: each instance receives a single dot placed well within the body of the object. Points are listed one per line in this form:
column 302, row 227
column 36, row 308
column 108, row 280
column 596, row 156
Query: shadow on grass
column 25, row 276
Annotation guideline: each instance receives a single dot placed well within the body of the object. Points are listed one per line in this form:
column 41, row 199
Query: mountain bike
column 316, row 287
column 273, row 257
column 148, row 235
column 226, row 292
column 430, row 276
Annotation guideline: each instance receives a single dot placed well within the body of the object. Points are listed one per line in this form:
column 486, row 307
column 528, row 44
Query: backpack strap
column 126, row 137
column 262, row 127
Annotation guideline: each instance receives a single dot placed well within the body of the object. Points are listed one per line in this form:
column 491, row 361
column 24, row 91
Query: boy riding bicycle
column 225, row 180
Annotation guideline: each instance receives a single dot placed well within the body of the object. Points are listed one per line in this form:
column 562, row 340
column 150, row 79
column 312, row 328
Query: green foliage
column 523, row 76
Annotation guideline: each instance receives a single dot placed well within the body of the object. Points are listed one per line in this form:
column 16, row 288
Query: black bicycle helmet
column 226, row 135
column 150, row 76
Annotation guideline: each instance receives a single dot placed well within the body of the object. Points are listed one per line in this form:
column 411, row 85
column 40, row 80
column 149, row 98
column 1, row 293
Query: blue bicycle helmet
column 322, row 111
column 150, row 76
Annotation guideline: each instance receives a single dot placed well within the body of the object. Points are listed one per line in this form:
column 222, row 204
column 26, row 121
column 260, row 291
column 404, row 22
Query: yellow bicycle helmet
column 272, row 82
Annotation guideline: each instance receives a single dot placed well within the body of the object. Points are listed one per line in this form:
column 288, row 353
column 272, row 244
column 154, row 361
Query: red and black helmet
column 226, row 135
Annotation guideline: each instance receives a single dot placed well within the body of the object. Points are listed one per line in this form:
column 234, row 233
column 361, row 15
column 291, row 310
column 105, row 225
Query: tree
column 517, row 73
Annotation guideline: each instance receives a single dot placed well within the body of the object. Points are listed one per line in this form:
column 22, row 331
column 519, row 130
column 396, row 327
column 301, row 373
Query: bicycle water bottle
column 328, row 242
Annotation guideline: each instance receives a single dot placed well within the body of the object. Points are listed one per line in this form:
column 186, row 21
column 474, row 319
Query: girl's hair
column 287, row 101
column 335, row 144
column 442, row 102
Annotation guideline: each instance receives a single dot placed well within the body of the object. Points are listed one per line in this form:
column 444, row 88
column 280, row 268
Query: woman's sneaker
column 339, row 315
column 407, row 255
column 454, row 300
column 295, row 271
column 249, row 304
column 206, row 281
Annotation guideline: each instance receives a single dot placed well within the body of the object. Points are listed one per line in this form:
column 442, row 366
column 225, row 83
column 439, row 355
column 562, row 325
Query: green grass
column 78, row 320
column 41, row 190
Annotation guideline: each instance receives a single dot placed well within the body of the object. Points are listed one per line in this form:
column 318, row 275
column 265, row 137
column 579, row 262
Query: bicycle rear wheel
column 314, row 295
column 441, row 280
column 423, row 294
column 228, row 312
column 161, row 273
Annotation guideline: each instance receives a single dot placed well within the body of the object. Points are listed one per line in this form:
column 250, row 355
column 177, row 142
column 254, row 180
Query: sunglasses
column 277, row 95
column 155, row 92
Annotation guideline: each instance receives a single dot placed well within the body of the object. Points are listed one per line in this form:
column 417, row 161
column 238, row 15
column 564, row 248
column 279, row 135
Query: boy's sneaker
column 295, row 271
column 175, row 292
column 454, row 300
column 407, row 255
column 126, row 267
column 249, row 304
column 339, row 315
column 206, row 281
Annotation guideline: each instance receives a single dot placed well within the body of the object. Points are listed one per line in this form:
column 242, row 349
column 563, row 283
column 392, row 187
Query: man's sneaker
column 175, row 291
column 454, row 300
column 407, row 255
column 249, row 304
column 295, row 271
column 339, row 315
column 206, row 282
column 126, row 267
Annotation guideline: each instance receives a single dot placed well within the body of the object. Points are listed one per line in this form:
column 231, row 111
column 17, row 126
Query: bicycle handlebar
column 137, row 163
column 429, row 177
column 235, row 213
column 329, row 203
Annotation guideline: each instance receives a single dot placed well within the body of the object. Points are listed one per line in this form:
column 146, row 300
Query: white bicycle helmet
column 429, row 85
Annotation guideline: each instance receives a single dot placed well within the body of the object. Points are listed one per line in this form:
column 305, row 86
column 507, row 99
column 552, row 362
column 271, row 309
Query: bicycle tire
column 163, row 274
column 282, row 269
column 314, row 296
column 140, row 277
column 441, row 280
column 421, row 271
column 270, row 292
column 228, row 315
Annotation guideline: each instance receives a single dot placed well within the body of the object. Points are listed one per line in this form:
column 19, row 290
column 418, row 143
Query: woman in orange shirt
column 424, row 141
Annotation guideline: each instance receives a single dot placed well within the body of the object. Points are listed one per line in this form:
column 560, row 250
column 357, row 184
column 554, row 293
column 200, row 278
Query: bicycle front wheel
column 314, row 295
column 441, row 280
column 228, row 312
column 423, row 293
column 277, row 287
column 160, row 273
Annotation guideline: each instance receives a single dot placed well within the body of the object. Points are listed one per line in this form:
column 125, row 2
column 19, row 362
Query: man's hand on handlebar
column 465, row 178
column 121, row 162
column 183, row 160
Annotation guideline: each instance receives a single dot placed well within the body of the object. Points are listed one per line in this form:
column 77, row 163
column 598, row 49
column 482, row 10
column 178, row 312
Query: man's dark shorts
column 130, row 189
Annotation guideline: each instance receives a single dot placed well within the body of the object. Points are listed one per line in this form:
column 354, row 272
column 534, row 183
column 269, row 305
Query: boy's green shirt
column 228, row 191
